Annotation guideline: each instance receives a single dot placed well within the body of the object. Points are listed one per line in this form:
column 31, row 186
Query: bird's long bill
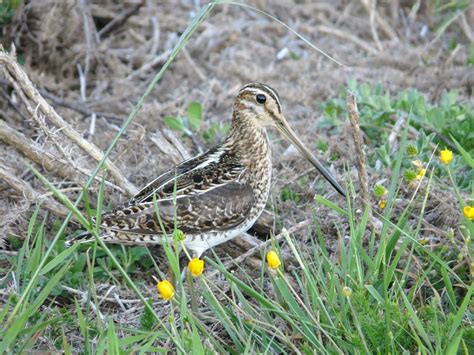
column 291, row 136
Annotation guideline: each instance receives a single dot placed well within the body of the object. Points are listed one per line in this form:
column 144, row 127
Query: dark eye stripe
column 272, row 94
column 266, row 89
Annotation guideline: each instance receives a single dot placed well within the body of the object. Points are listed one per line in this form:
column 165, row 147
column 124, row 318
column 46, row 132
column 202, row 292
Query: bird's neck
column 247, row 138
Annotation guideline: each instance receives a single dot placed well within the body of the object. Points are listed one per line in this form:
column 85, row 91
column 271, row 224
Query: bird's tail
column 116, row 237
column 85, row 237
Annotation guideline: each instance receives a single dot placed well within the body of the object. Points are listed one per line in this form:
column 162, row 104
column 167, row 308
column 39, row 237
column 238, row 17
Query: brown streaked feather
column 168, row 176
column 218, row 209
column 188, row 179
column 215, row 196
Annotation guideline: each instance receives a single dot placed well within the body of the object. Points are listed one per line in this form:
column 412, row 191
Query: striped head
column 261, row 105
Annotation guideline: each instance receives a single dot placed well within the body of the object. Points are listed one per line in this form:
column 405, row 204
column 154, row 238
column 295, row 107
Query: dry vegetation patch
column 90, row 62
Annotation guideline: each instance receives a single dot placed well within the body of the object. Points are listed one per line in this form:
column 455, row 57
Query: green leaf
column 415, row 320
column 461, row 312
column 467, row 157
column 195, row 115
column 375, row 294
column 112, row 339
column 19, row 323
column 196, row 341
column 61, row 197
column 453, row 346
column 175, row 123
column 58, row 260
column 331, row 205
column 15, row 4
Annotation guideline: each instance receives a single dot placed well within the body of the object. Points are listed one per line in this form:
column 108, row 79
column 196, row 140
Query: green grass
column 381, row 293
column 396, row 304
column 449, row 123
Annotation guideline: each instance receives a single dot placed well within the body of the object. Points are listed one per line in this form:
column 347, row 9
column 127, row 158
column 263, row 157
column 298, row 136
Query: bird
column 215, row 196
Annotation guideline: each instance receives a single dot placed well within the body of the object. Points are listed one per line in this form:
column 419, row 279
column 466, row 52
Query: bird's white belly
column 199, row 243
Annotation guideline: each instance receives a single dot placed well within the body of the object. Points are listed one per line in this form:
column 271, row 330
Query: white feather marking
column 257, row 91
column 213, row 158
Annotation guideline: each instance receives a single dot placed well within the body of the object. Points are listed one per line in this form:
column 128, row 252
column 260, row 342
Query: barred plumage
column 217, row 195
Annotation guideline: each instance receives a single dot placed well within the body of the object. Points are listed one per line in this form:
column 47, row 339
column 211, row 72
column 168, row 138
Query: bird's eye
column 261, row 98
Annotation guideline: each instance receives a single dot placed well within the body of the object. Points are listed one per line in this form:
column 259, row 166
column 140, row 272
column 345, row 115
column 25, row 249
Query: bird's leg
column 184, row 274
column 190, row 282
column 171, row 274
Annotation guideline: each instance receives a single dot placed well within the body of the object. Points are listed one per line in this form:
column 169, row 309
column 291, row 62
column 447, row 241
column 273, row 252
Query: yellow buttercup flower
column 469, row 212
column 446, row 156
column 346, row 291
column 273, row 260
column 196, row 266
column 382, row 204
column 421, row 173
column 165, row 289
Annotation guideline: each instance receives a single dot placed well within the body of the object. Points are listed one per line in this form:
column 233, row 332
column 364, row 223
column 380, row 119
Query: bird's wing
column 218, row 209
column 194, row 176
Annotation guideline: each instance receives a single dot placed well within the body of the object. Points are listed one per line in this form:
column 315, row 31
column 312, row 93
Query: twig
column 166, row 147
column 157, row 60
column 193, row 65
column 384, row 26
column 442, row 30
column 361, row 161
column 375, row 35
column 120, row 20
column 171, row 137
column 32, row 151
column 119, row 301
column 466, row 29
column 25, row 89
column 92, row 125
column 30, row 194
column 53, row 137
column 392, row 137
column 12, row 104
column 91, row 41
column 102, row 298
column 108, row 299
column 78, row 107
column 155, row 39
column 9, row 253
column 348, row 36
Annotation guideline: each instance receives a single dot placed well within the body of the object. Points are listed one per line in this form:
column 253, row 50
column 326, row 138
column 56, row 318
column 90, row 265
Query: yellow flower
column 346, row 291
column 469, row 212
column 166, row 289
column 446, row 156
column 273, row 260
column 196, row 266
column 421, row 173
column 382, row 204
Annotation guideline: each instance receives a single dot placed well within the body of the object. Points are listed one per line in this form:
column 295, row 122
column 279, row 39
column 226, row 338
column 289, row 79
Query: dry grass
column 233, row 47
column 84, row 71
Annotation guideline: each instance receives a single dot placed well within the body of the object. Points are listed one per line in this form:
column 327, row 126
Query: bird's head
column 260, row 104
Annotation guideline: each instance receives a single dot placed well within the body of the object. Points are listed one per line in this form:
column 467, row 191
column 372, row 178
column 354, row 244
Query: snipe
column 217, row 195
